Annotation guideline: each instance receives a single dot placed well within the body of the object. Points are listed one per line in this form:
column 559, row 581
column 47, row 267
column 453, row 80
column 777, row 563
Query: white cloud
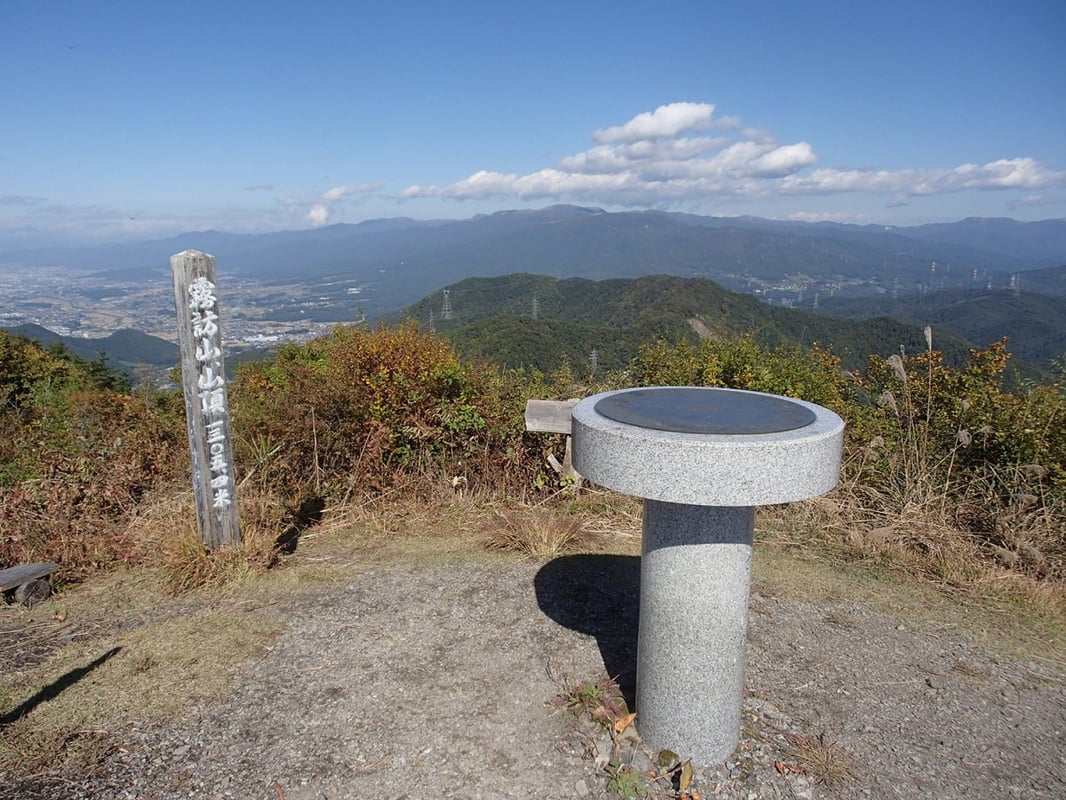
column 336, row 193
column 1014, row 173
column 322, row 207
column 1036, row 200
column 664, row 122
column 318, row 215
column 681, row 153
column 825, row 216
column 783, row 160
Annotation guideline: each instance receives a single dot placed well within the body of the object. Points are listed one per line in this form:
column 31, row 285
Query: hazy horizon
column 61, row 245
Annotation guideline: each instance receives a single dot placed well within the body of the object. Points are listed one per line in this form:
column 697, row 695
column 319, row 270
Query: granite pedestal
column 702, row 459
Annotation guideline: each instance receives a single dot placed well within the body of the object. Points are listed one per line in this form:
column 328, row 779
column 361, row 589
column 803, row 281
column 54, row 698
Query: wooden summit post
column 206, row 409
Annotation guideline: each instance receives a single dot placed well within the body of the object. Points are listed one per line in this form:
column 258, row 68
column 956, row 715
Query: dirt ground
column 436, row 681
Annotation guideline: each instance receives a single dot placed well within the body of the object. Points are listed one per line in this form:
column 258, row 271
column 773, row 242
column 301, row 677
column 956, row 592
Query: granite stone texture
column 699, row 493
column 708, row 469
column 695, row 573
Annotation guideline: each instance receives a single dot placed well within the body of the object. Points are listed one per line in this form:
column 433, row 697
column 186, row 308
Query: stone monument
column 702, row 459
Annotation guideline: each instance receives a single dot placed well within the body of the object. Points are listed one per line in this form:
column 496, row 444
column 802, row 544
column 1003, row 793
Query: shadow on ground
column 597, row 595
column 56, row 688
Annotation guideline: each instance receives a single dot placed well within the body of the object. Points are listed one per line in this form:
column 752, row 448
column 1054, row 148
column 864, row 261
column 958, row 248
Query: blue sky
column 124, row 120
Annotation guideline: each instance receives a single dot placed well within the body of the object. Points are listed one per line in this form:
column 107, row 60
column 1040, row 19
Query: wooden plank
column 16, row 576
column 206, row 406
column 549, row 416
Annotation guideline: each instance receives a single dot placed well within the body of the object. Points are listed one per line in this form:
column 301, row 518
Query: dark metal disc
column 691, row 409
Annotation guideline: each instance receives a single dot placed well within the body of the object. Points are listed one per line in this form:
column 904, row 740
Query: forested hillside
column 1035, row 324
column 537, row 321
column 126, row 350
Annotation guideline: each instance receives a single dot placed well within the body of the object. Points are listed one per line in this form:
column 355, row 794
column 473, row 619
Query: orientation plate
column 690, row 409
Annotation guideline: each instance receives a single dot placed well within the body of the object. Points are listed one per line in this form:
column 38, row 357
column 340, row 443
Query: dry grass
column 63, row 711
column 167, row 534
column 538, row 532
column 931, row 549
column 821, row 759
column 1017, row 617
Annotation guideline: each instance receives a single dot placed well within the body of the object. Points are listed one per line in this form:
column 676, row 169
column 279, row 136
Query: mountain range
column 397, row 261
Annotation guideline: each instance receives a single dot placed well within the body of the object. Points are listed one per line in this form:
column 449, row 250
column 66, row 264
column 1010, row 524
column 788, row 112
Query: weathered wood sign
column 206, row 409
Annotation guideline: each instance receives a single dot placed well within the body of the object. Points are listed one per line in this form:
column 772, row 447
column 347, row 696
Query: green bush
column 740, row 363
column 925, row 444
column 77, row 456
column 361, row 412
column 922, row 433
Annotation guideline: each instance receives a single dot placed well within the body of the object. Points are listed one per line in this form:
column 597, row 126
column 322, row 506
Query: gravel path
column 433, row 682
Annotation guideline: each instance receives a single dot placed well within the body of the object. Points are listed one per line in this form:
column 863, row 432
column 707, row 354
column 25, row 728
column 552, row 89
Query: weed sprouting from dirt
column 626, row 782
column 600, row 701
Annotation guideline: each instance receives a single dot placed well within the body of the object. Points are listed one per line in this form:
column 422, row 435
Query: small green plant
column 600, row 701
column 626, row 782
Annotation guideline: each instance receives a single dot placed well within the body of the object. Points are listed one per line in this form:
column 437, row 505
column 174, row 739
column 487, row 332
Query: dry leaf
column 685, row 780
column 622, row 723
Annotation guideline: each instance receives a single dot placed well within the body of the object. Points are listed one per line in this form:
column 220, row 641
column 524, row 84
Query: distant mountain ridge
column 1035, row 324
column 125, row 350
column 397, row 261
column 1045, row 239
column 542, row 322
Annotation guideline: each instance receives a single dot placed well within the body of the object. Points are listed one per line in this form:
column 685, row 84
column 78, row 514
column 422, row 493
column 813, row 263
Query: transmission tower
column 432, row 322
column 536, row 308
column 594, row 359
column 446, row 308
